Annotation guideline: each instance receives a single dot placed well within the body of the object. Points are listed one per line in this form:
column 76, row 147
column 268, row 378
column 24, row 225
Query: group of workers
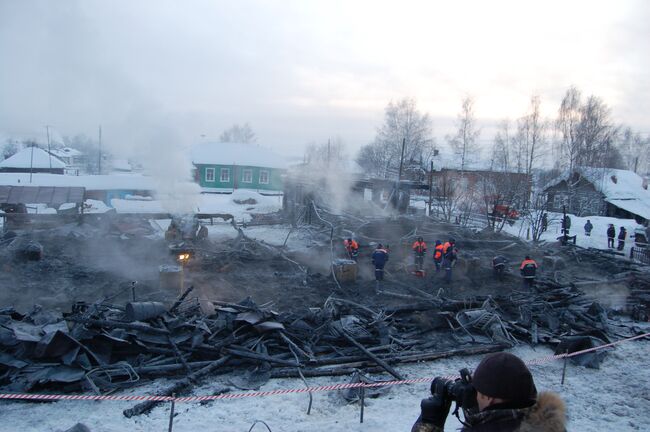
column 444, row 256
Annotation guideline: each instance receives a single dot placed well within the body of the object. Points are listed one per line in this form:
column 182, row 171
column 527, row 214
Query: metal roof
column 41, row 195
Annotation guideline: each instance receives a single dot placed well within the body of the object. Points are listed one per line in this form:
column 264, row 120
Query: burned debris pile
column 104, row 347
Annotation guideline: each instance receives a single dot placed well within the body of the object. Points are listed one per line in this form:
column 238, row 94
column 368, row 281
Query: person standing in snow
column 544, row 222
column 588, row 228
column 449, row 255
column 500, row 397
column 528, row 269
column 566, row 225
column 621, row 239
column 379, row 259
column 419, row 250
column 611, row 234
column 437, row 255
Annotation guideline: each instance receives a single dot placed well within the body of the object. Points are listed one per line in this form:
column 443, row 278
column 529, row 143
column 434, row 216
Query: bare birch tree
column 464, row 144
column 568, row 126
column 501, row 148
column 587, row 134
column 402, row 122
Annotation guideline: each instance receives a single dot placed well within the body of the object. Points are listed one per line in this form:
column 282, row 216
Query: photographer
column 501, row 396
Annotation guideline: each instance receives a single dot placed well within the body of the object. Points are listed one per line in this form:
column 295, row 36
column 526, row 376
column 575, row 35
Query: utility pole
column 49, row 150
column 99, row 158
column 328, row 153
column 430, row 187
column 31, row 164
column 401, row 160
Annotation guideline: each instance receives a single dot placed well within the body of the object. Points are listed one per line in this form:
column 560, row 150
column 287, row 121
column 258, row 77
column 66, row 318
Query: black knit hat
column 505, row 376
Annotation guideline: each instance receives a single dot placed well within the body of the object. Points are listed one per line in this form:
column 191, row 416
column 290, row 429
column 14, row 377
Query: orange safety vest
column 439, row 251
column 419, row 247
column 525, row 263
column 351, row 246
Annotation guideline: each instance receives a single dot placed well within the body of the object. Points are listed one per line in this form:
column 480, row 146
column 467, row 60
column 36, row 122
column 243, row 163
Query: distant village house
column 224, row 167
column 32, row 160
column 601, row 192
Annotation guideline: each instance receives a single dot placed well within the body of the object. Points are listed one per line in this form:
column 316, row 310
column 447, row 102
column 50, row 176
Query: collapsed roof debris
column 307, row 323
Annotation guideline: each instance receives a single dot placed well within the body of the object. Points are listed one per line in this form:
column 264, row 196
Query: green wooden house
column 224, row 167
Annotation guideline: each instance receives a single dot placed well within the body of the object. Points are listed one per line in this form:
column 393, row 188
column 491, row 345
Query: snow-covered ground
column 598, row 238
column 616, row 398
column 241, row 204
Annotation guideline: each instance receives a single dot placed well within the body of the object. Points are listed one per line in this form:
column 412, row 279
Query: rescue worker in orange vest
column 438, row 252
column 419, row 249
column 449, row 255
column 352, row 248
column 528, row 269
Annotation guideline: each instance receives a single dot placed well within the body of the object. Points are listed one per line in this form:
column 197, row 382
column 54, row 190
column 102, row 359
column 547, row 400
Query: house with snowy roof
column 600, row 192
column 224, row 167
column 74, row 160
column 32, row 160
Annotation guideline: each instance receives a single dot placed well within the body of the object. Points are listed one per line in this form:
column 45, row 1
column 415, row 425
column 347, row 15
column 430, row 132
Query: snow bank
column 36, row 208
column 611, row 398
column 136, row 206
column 598, row 238
column 219, row 203
column 95, row 206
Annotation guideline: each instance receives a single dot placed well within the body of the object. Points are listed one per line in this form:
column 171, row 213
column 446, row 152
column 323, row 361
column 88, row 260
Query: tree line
column 583, row 133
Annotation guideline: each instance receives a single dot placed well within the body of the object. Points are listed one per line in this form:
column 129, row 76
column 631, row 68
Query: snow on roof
column 24, row 159
column 66, row 152
column 236, row 154
column 121, row 165
column 622, row 188
column 90, row 182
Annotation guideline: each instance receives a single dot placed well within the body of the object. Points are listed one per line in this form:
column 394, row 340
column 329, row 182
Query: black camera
column 460, row 390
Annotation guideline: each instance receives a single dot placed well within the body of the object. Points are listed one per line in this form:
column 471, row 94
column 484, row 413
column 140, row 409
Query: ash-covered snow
column 615, row 398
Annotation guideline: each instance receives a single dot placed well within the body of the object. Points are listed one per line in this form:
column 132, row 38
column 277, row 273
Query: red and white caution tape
column 326, row 388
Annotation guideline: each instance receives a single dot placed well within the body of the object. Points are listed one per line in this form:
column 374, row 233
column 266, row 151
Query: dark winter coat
column 611, row 232
column 622, row 234
column 379, row 258
column 588, row 227
column 547, row 415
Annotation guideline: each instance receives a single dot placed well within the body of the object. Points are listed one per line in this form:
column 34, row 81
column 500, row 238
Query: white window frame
column 224, row 175
column 207, row 177
column 268, row 177
column 247, row 173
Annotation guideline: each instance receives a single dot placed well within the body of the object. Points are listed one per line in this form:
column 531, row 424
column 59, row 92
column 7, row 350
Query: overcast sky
column 303, row 71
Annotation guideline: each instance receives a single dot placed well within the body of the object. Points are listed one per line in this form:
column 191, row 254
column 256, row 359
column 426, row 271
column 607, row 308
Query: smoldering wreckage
column 308, row 311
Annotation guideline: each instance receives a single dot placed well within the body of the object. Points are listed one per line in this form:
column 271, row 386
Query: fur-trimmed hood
column 547, row 415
